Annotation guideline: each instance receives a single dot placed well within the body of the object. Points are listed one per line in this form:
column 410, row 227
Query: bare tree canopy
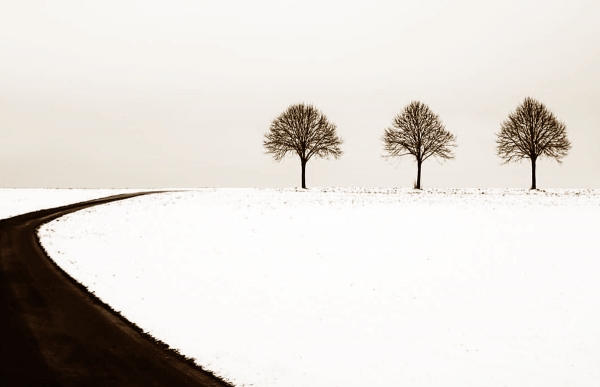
column 419, row 132
column 532, row 131
column 304, row 130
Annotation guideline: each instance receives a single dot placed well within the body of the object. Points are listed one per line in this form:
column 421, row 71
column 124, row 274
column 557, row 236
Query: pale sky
column 143, row 94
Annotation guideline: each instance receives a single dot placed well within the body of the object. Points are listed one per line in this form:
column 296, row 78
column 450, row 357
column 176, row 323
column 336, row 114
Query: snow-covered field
column 354, row 287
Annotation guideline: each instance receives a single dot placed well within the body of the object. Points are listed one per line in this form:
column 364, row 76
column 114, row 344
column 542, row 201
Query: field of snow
column 354, row 287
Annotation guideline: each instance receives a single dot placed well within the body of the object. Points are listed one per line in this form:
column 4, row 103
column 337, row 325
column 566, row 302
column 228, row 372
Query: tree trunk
column 303, row 162
column 418, row 174
column 533, row 186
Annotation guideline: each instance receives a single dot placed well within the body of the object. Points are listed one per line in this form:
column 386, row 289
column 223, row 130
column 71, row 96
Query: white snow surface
column 354, row 286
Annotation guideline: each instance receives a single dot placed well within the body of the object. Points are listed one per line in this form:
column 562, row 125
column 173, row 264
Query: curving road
column 55, row 333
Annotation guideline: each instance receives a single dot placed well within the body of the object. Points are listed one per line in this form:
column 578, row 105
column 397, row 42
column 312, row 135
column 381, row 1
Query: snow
column 353, row 286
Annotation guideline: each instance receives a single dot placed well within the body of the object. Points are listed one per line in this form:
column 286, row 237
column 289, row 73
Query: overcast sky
column 180, row 93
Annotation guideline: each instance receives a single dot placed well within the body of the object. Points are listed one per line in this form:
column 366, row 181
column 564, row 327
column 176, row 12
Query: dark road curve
column 55, row 333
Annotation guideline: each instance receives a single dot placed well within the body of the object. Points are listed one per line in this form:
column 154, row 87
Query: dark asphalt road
column 55, row 333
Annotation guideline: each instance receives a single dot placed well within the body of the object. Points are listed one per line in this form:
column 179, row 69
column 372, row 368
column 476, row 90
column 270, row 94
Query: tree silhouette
column 532, row 131
column 304, row 130
column 419, row 132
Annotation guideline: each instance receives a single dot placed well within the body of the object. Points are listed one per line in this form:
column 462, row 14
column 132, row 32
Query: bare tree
column 419, row 132
column 304, row 130
column 532, row 131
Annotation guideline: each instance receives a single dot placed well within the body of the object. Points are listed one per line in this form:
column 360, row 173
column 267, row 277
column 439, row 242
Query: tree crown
column 532, row 131
column 304, row 130
column 419, row 132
